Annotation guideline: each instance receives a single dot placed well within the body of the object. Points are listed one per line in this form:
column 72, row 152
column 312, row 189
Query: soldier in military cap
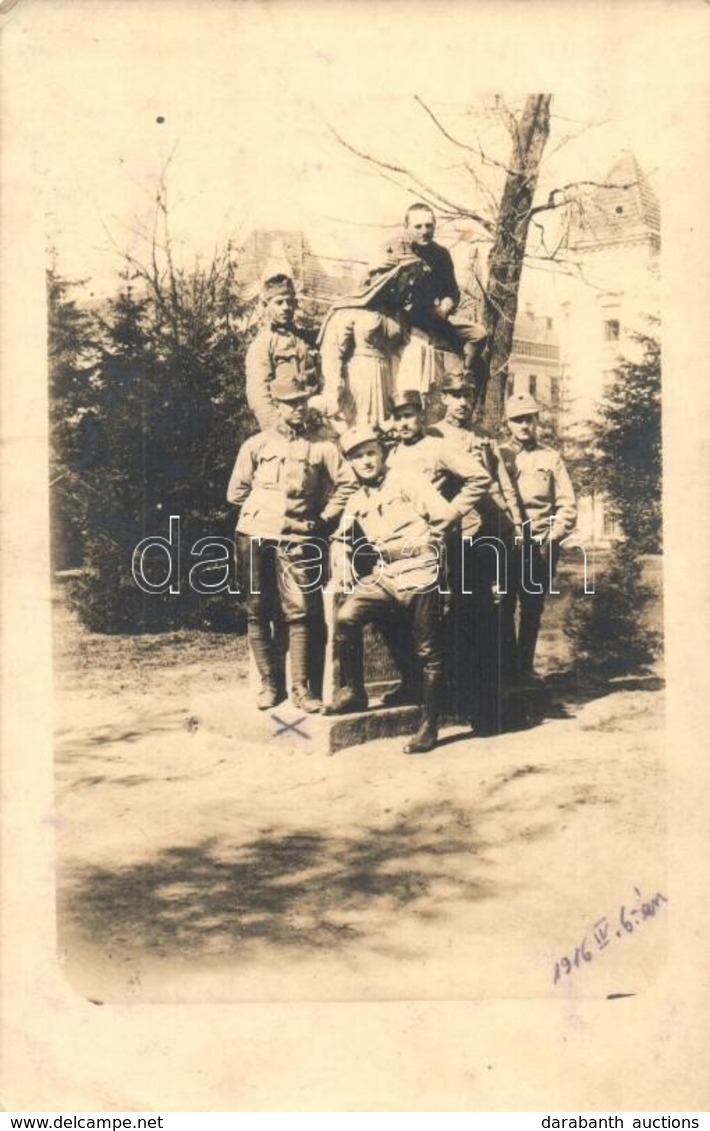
column 290, row 491
column 403, row 518
column 478, row 566
column 457, row 473
column 549, row 511
column 458, row 396
column 279, row 349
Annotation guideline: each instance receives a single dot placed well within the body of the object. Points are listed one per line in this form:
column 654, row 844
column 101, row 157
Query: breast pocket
column 302, row 481
column 396, row 516
column 269, row 472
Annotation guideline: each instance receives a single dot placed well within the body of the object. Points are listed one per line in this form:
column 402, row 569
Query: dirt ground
column 198, row 865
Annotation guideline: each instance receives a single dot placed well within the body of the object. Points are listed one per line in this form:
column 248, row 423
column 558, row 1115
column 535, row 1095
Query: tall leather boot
column 410, row 688
column 261, row 645
column 300, row 638
column 428, row 734
column 351, row 695
column 527, row 643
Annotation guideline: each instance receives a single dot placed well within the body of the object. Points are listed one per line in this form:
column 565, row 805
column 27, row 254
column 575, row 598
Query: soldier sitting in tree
column 279, row 349
column 290, row 490
column 403, row 518
column 436, row 296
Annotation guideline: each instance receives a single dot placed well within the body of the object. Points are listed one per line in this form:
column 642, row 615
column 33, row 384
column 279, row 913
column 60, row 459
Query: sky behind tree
column 237, row 100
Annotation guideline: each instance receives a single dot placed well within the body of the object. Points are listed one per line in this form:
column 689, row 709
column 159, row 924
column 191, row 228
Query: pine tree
column 169, row 412
column 610, row 629
column 73, row 366
column 627, row 444
column 622, row 458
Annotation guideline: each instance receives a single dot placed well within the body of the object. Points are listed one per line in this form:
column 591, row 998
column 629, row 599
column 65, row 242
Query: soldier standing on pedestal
column 290, row 490
column 279, row 349
column 459, row 474
column 549, row 512
column 403, row 519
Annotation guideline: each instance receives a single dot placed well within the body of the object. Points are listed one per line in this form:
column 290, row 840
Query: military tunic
column 544, row 489
column 501, row 492
column 276, row 350
column 549, row 511
column 287, row 487
column 404, row 519
column 452, row 470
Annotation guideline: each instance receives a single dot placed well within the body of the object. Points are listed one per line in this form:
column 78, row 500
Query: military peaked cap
column 408, row 397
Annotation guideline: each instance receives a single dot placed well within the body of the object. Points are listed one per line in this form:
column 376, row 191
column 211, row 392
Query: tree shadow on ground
column 564, row 692
column 73, row 743
column 291, row 890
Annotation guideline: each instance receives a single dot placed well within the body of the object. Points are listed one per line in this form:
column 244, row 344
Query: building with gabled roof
column 620, row 211
column 269, row 252
column 614, row 236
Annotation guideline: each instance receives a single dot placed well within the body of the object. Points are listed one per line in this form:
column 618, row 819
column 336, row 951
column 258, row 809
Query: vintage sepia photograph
column 357, row 574
column 355, row 395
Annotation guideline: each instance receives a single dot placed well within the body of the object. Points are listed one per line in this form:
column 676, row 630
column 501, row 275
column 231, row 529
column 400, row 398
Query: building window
column 611, row 330
column 555, row 398
column 532, row 384
column 509, row 387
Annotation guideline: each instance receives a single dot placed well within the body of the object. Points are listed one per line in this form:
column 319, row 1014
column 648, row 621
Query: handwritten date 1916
column 629, row 919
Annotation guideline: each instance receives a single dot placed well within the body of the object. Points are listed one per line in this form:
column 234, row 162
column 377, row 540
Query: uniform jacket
column 439, row 282
column 404, row 518
column 276, row 349
column 502, row 492
column 283, row 479
column 544, row 489
column 447, row 465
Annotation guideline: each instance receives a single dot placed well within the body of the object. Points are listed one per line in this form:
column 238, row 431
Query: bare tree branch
column 487, row 160
column 573, row 136
column 511, row 122
column 549, row 255
column 433, row 194
column 560, row 193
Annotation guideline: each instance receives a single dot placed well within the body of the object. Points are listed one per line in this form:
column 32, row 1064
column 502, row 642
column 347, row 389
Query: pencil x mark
column 284, row 726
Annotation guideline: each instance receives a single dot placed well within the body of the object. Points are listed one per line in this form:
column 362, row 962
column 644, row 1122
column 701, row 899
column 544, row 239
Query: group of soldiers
column 434, row 533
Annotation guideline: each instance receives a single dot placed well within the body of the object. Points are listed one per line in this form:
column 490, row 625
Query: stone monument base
column 232, row 712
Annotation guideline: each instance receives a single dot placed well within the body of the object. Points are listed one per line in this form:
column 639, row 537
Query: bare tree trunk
column 529, row 136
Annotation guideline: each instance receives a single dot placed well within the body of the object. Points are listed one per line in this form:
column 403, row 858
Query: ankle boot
column 262, row 650
column 299, row 642
column 351, row 695
column 427, row 736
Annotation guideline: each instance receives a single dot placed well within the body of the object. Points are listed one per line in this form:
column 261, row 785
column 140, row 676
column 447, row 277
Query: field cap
column 523, row 404
column 277, row 285
column 355, row 437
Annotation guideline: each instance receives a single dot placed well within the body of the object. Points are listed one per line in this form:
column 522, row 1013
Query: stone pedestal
column 235, row 714
column 332, row 733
